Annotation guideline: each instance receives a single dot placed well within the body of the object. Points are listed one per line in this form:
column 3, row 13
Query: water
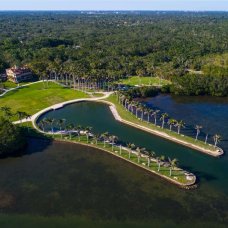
column 69, row 179
column 209, row 112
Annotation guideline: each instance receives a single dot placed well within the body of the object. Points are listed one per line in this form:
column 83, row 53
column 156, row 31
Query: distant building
column 3, row 77
column 19, row 74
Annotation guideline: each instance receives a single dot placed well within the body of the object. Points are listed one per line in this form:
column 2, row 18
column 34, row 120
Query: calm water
column 62, row 179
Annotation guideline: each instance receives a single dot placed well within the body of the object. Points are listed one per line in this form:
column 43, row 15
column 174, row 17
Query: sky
column 190, row 5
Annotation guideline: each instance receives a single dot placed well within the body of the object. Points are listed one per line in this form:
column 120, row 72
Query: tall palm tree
column 150, row 155
column 113, row 139
column 96, row 137
column 217, row 139
column 197, row 127
column 138, row 154
column 154, row 114
column 173, row 163
column 159, row 160
column 51, row 122
column 142, row 108
column 131, row 147
column 105, row 136
column 179, row 125
column 61, row 124
column 140, row 151
column 120, row 146
column 70, row 128
column 164, row 116
column 88, row 132
column 206, row 138
column 138, row 108
column 148, row 112
column 79, row 128
column 171, row 122
column 42, row 124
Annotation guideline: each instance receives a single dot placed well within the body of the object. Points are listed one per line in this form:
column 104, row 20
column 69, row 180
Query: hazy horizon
column 117, row 5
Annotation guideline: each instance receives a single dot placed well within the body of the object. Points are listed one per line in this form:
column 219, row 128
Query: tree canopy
column 110, row 45
column 11, row 138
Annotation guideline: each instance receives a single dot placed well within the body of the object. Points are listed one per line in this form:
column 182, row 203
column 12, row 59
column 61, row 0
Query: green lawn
column 129, row 117
column 34, row 98
column 142, row 81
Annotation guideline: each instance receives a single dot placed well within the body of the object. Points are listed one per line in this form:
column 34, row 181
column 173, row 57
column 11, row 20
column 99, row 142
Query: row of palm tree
column 105, row 138
column 135, row 107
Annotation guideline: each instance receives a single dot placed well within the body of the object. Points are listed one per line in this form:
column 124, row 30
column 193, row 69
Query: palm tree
column 105, row 136
column 206, row 139
column 217, row 138
column 138, row 108
column 147, row 112
column 96, row 138
column 151, row 155
column 179, row 125
column 51, row 121
column 131, row 147
column 142, row 108
column 79, row 128
column 113, row 139
column 120, row 146
column 70, row 128
column 197, row 127
column 138, row 153
column 154, row 114
column 42, row 124
column 171, row 122
column 159, row 160
column 173, row 164
column 61, row 124
column 88, row 132
column 164, row 116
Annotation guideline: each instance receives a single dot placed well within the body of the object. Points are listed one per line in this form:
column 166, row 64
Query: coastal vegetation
column 80, row 49
column 137, row 113
column 12, row 139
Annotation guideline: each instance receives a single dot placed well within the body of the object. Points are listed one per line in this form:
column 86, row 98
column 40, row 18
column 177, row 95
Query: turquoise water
column 61, row 179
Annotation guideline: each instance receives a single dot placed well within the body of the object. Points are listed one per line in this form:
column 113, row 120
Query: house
column 19, row 74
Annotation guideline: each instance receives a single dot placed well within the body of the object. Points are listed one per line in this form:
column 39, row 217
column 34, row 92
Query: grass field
column 142, row 81
column 129, row 117
column 34, row 98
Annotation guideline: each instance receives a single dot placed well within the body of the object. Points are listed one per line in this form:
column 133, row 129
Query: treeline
column 199, row 85
column 112, row 46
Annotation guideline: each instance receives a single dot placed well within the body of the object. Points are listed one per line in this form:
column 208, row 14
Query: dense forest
column 190, row 49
